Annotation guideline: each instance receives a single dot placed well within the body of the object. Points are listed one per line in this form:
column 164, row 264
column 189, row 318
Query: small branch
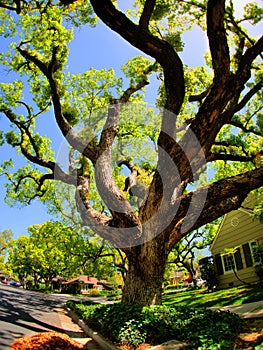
column 199, row 97
column 249, row 56
column 244, row 101
column 17, row 9
column 239, row 125
column 75, row 141
column 131, row 90
column 241, row 31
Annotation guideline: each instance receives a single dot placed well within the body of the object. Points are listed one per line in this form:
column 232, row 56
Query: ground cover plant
column 202, row 298
column 133, row 325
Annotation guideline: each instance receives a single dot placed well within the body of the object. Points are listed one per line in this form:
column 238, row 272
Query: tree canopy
column 137, row 172
column 50, row 250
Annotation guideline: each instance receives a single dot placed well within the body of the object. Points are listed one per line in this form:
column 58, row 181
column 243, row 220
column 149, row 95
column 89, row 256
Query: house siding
column 237, row 229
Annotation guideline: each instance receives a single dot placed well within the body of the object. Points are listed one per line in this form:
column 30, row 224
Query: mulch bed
column 252, row 336
column 47, row 341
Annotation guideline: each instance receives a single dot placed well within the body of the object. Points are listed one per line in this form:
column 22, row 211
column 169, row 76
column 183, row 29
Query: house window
column 228, row 262
column 232, row 261
column 248, row 253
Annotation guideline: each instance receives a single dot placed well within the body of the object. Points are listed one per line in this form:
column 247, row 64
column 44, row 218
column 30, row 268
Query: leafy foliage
column 208, row 272
column 50, row 250
column 135, row 324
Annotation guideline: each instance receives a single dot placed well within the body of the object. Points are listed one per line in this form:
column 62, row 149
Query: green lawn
column 201, row 298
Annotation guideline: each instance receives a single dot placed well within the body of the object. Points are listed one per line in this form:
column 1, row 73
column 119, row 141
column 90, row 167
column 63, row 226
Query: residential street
column 23, row 312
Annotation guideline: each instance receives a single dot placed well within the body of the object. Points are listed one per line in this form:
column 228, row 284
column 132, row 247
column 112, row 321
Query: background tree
column 22, row 259
column 50, row 250
column 184, row 253
column 5, row 243
column 211, row 114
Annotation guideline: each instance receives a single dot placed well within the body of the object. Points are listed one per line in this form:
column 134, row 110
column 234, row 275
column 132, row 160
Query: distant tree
column 206, row 115
column 50, row 250
column 5, row 243
column 185, row 253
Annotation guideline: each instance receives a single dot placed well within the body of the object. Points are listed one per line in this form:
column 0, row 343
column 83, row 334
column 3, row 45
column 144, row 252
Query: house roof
column 85, row 279
column 246, row 208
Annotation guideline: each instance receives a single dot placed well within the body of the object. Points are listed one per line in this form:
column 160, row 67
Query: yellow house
column 232, row 247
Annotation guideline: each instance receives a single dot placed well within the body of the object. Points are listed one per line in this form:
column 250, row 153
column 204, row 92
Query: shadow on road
column 24, row 312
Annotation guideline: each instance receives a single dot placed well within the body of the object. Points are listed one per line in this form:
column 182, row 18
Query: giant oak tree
column 209, row 115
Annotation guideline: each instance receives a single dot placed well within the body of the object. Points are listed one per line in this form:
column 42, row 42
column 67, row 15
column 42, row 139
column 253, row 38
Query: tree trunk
column 143, row 283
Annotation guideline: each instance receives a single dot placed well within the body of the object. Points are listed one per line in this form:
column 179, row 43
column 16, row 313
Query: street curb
column 103, row 343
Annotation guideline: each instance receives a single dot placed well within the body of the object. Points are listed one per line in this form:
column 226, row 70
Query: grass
column 201, row 298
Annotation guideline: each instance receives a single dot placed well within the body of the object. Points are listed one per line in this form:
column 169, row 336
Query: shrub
column 94, row 293
column 208, row 273
column 132, row 325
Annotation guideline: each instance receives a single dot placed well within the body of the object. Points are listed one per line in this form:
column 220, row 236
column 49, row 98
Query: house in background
column 83, row 285
column 232, row 248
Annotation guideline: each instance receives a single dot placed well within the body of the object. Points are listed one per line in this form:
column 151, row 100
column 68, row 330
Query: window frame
column 237, row 261
column 225, row 256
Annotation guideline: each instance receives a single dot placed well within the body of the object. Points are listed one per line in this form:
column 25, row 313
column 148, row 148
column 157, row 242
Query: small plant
column 132, row 333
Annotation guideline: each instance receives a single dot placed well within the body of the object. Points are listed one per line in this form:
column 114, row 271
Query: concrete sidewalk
column 61, row 319
column 250, row 310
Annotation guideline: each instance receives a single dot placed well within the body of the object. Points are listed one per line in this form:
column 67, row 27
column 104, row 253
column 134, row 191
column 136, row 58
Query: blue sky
column 92, row 47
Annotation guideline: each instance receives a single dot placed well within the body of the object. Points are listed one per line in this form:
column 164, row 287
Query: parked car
column 15, row 284
column 199, row 282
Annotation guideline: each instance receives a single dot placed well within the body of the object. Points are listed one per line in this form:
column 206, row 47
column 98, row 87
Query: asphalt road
column 23, row 312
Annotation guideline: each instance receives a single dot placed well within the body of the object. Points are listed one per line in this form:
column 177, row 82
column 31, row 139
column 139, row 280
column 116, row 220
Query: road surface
column 23, row 312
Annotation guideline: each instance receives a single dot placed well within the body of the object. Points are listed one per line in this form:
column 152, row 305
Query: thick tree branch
column 159, row 49
column 110, row 128
column 229, row 194
column 217, row 38
column 211, row 116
